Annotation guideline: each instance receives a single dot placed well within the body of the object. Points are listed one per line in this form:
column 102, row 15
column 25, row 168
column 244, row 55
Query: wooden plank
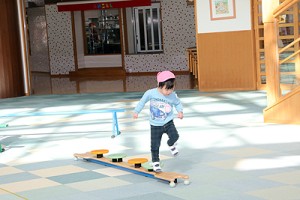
column 223, row 63
column 170, row 177
column 271, row 51
column 282, row 7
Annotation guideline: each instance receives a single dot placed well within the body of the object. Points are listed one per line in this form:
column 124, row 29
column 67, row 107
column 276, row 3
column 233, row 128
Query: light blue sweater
column 161, row 107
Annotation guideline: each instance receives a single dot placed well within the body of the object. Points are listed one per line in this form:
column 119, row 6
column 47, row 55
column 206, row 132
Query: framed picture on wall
column 222, row 9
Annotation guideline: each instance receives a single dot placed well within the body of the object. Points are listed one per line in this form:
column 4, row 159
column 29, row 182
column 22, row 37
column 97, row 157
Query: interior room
column 73, row 71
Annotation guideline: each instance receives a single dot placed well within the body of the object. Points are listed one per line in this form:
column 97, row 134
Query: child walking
column 162, row 100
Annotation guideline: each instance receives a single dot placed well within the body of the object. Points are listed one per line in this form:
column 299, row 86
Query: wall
column 60, row 40
column 178, row 25
column 39, row 54
column 148, row 81
column 178, row 33
column 241, row 22
column 225, row 49
column 46, row 85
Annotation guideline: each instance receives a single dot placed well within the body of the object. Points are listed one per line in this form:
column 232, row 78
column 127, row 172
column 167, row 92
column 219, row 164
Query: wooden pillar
column 271, row 50
column 11, row 75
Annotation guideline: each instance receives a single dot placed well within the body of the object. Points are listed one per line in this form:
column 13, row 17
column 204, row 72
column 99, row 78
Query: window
column 146, row 25
column 102, row 32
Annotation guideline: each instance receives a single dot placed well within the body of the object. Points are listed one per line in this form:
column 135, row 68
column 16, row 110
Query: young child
column 162, row 100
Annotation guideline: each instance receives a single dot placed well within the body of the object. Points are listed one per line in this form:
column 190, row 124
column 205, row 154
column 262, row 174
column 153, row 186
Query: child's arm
column 135, row 115
column 141, row 104
column 178, row 107
column 180, row 115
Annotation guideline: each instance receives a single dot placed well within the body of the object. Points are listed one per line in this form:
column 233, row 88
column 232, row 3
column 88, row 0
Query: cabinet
column 102, row 32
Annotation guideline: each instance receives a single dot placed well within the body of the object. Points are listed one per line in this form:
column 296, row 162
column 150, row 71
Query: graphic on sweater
column 159, row 110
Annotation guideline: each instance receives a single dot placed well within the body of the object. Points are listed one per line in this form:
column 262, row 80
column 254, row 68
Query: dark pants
column 156, row 135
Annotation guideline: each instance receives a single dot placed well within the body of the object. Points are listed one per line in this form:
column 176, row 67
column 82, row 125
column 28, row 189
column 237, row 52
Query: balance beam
column 114, row 111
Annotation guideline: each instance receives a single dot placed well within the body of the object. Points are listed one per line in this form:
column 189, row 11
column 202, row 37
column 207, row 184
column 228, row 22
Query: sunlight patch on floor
column 267, row 163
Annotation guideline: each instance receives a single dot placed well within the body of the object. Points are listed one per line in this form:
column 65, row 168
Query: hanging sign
column 100, row 5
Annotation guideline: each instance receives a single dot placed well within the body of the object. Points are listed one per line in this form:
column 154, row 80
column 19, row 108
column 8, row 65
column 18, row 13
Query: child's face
column 166, row 91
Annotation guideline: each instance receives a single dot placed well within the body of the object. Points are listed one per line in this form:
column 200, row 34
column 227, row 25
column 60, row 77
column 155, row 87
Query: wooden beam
column 271, row 51
column 283, row 7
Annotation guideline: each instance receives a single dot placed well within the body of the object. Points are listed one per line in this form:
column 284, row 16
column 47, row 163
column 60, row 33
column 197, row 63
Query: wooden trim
column 125, row 32
column 285, row 110
column 91, row 78
column 289, row 57
column 154, row 73
column 192, row 61
column 74, row 41
column 271, row 53
column 121, row 22
column 49, row 67
column 289, row 45
column 98, row 72
column 197, row 43
column 254, row 49
column 283, row 7
column 39, row 72
column 83, row 33
column 258, row 28
column 59, row 76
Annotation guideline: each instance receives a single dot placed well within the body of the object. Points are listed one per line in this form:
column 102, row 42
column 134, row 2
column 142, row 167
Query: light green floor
column 225, row 148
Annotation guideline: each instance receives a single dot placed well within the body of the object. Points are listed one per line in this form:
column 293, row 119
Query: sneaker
column 156, row 167
column 174, row 150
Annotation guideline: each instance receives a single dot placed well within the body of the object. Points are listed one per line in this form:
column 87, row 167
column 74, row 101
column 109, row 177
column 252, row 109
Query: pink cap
column 164, row 75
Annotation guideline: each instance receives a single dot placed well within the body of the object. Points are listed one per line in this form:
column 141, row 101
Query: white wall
column 241, row 22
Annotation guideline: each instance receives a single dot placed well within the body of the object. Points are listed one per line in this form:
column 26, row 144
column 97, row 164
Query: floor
column 225, row 148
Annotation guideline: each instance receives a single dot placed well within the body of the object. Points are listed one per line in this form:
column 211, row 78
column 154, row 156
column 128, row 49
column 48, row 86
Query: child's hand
column 135, row 115
column 180, row 115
